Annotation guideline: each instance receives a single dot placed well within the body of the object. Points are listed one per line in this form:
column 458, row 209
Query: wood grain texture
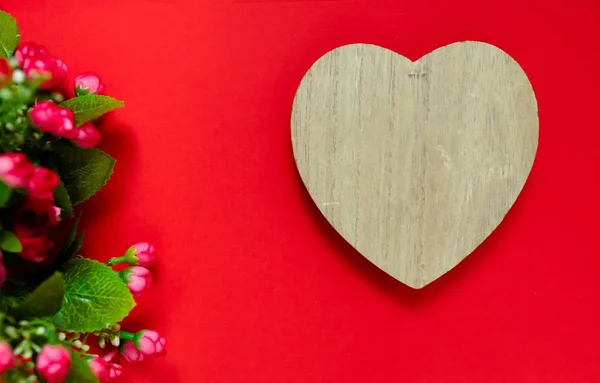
column 415, row 163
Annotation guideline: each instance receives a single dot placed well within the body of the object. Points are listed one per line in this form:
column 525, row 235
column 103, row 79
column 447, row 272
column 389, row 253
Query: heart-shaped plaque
column 415, row 163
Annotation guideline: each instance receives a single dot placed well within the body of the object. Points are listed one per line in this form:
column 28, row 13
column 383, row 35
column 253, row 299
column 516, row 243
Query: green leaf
column 91, row 106
column 95, row 297
column 70, row 251
column 83, row 171
column 62, row 200
column 5, row 193
column 45, row 300
column 9, row 35
column 9, row 242
column 80, row 371
column 72, row 245
column 72, row 232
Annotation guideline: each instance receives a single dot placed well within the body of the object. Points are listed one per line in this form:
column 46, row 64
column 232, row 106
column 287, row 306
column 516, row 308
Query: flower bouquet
column 60, row 313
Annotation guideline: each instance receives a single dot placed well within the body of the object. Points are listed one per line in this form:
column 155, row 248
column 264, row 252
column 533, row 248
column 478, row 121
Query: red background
column 253, row 285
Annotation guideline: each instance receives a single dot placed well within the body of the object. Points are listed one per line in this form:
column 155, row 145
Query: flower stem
column 115, row 261
column 126, row 335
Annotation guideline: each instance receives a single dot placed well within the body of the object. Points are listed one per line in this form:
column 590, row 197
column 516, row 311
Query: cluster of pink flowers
column 33, row 217
column 53, row 361
column 36, row 63
column 53, row 119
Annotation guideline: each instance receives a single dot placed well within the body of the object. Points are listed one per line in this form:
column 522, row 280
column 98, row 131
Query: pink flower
column 51, row 118
column 7, row 357
column 15, row 169
column 5, row 73
column 103, row 369
column 87, row 83
column 29, row 50
column 130, row 353
column 137, row 278
column 141, row 254
column 149, row 342
column 31, row 223
column 87, row 136
column 42, row 183
column 115, row 370
column 2, row 279
column 53, row 363
column 35, row 61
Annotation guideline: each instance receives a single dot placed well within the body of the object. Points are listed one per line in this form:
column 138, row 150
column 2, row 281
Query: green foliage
column 82, row 171
column 15, row 375
column 9, row 242
column 5, row 193
column 9, row 34
column 63, row 200
column 44, row 301
column 95, row 297
column 91, row 106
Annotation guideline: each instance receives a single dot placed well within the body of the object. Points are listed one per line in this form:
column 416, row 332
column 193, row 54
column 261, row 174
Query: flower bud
column 53, row 363
column 87, row 136
column 130, row 353
column 141, row 254
column 149, row 342
column 42, row 183
column 15, row 169
column 137, row 279
column 7, row 357
column 29, row 50
column 88, row 83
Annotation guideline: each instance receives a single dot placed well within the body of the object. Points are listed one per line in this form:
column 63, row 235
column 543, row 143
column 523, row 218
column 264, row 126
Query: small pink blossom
column 29, row 50
column 7, row 357
column 5, row 73
column 104, row 369
column 130, row 353
column 87, row 136
column 15, row 169
column 149, row 342
column 141, row 254
column 43, row 115
column 87, row 83
column 42, row 183
column 137, row 279
column 53, row 363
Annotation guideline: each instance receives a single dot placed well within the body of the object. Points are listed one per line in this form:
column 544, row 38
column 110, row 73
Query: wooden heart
column 415, row 163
